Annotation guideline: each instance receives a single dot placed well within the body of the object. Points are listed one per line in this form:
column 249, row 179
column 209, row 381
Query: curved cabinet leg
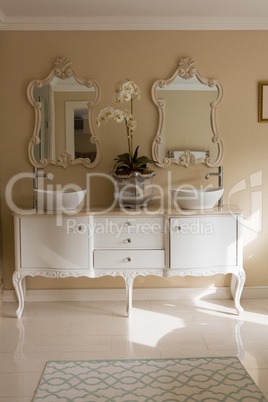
column 129, row 293
column 19, row 288
column 23, row 286
column 237, row 284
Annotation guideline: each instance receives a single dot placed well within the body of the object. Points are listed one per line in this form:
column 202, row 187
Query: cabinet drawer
column 130, row 241
column 117, row 225
column 129, row 259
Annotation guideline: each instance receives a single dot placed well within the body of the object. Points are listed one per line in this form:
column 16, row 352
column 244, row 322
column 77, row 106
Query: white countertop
column 225, row 210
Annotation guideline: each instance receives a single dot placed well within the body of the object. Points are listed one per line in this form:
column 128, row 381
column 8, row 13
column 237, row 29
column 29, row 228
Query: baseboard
column 256, row 292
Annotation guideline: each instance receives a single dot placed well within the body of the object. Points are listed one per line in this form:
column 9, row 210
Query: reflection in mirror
column 83, row 148
column 64, row 132
column 187, row 132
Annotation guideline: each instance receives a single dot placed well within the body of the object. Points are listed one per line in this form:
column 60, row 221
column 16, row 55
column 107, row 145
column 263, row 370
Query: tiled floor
column 100, row 330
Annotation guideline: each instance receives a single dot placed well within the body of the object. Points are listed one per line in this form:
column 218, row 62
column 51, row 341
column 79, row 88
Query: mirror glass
column 187, row 130
column 64, row 133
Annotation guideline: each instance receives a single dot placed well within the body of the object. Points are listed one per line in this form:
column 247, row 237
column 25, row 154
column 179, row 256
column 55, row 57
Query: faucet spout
column 220, row 175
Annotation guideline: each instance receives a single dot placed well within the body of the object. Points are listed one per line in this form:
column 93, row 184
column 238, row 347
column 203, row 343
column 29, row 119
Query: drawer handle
column 128, row 241
column 128, row 259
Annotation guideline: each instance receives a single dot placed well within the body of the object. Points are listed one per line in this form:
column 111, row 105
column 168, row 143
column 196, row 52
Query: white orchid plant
column 126, row 91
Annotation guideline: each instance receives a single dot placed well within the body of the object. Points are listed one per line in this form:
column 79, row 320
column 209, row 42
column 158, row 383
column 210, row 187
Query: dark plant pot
column 134, row 190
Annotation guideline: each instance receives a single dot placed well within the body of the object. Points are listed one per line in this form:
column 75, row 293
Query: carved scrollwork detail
column 63, row 68
column 129, row 274
column 64, row 160
column 16, row 277
column 35, row 140
column 187, row 159
column 187, row 68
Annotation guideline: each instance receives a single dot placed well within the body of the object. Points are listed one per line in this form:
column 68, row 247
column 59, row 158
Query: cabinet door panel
column 203, row 242
column 46, row 245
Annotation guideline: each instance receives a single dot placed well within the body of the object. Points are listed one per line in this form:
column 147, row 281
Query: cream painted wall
column 238, row 59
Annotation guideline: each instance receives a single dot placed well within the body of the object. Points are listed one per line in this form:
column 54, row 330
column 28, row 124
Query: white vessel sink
column 197, row 199
column 59, row 200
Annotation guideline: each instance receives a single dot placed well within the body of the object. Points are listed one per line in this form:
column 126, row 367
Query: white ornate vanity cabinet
column 93, row 245
column 202, row 242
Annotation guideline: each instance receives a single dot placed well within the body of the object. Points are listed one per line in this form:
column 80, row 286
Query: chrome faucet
column 220, row 175
column 37, row 174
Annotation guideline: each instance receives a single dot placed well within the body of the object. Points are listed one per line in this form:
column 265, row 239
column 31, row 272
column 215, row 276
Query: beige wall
column 238, row 59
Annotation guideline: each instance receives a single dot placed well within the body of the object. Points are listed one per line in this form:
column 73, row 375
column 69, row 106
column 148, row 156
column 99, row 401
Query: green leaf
column 143, row 160
column 124, row 156
column 121, row 162
column 135, row 154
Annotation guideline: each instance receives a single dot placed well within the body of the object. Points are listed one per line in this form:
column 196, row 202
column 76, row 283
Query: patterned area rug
column 154, row 380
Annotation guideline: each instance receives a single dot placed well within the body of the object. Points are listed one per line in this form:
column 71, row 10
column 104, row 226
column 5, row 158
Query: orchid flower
column 127, row 91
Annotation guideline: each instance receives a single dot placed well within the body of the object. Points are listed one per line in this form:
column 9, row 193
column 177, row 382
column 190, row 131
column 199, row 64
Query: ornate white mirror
column 64, row 129
column 187, row 131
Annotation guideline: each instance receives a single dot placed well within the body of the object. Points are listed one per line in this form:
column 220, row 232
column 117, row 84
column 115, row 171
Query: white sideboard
column 95, row 245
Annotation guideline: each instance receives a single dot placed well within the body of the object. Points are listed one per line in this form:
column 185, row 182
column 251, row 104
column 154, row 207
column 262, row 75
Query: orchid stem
column 129, row 144
column 131, row 138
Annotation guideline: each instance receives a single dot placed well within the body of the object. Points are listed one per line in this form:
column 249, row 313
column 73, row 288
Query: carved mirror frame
column 187, row 69
column 63, row 69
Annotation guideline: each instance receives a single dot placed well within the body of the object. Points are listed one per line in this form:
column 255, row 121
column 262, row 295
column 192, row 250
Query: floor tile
column 86, row 343
column 17, row 386
column 122, row 327
column 177, row 327
column 136, row 347
column 172, row 345
column 25, row 362
column 47, row 328
column 223, row 341
column 264, row 354
column 8, row 343
column 255, row 341
column 253, row 359
column 11, row 384
column 94, row 355
column 186, row 304
column 260, row 377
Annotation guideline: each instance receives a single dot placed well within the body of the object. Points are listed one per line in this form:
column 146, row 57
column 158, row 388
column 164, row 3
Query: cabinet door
column 44, row 244
column 199, row 242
